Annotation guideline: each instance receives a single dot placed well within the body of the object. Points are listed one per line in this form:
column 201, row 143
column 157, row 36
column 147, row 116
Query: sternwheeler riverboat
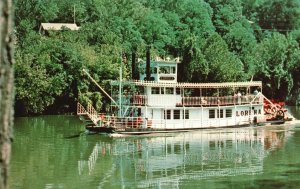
column 158, row 103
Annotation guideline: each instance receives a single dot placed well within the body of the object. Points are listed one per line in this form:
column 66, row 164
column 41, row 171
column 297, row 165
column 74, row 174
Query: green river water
column 54, row 152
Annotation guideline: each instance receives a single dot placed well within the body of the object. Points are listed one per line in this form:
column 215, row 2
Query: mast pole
column 99, row 87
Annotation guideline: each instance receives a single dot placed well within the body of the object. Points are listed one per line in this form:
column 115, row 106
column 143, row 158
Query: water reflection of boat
column 156, row 161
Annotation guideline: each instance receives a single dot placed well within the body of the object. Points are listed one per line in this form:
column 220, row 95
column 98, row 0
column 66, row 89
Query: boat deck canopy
column 190, row 85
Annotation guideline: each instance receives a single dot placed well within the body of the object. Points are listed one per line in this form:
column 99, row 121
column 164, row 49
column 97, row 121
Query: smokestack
column 148, row 74
column 133, row 65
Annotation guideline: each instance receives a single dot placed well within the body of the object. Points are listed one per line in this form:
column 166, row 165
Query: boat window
column 169, row 90
column 164, row 70
column 212, row 113
column 162, row 90
column 176, row 114
column 155, row 90
column 153, row 70
column 228, row 112
column 220, row 113
column 178, row 91
column 167, row 114
column 173, row 70
column 186, row 114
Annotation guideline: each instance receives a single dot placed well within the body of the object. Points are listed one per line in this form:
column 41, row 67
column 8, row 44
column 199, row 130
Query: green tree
column 33, row 86
column 194, row 25
column 30, row 14
column 155, row 29
column 281, row 15
column 48, row 73
column 211, row 61
column 194, row 66
column 224, row 66
column 275, row 58
column 241, row 41
column 217, row 41
column 226, row 13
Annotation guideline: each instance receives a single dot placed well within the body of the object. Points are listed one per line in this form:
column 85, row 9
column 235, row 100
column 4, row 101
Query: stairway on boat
column 90, row 116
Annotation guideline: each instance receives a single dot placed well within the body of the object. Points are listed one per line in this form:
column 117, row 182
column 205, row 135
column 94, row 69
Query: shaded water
column 54, row 152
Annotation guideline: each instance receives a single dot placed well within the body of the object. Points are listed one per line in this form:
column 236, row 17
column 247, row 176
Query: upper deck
column 164, row 90
column 179, row 94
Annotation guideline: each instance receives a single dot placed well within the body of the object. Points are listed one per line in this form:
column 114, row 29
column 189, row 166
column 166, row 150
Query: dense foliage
column 217, row 40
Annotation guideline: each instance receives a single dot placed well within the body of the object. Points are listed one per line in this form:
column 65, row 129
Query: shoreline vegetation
column 217, row 41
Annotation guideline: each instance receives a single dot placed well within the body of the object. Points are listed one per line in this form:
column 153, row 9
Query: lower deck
column 193, row 117
column 147, row 119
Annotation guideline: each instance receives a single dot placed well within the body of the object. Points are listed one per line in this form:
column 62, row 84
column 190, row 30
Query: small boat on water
column 158, row 103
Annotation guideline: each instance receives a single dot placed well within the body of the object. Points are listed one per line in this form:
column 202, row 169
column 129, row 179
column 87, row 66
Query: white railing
column 93, row 114
column 139, row 100
column 80, row 109
column 225, row 100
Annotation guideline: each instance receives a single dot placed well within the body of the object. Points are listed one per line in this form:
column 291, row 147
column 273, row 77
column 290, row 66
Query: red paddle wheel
column 274, row 110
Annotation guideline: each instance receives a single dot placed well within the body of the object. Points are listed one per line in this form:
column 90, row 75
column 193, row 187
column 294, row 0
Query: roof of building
column 58, row 26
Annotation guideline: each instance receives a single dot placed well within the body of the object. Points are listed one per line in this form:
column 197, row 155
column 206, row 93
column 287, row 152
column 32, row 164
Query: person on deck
column 239, row 96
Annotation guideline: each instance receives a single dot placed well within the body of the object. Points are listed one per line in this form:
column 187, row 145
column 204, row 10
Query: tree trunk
column 6, row 88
